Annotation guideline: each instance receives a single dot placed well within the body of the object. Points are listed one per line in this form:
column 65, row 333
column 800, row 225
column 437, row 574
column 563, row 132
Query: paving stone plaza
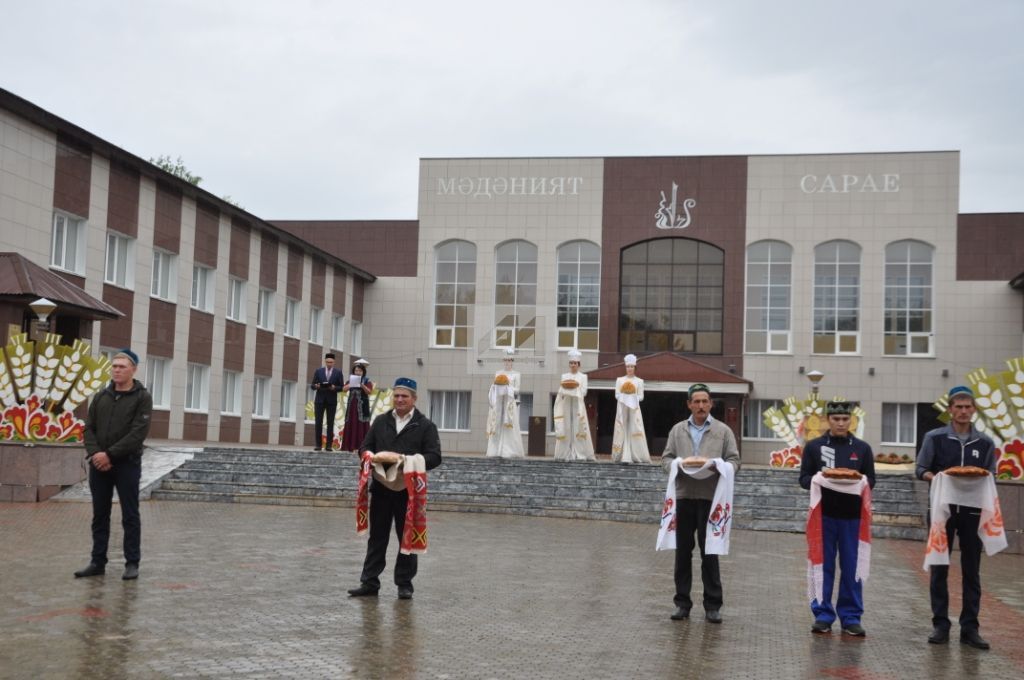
column 258, row 591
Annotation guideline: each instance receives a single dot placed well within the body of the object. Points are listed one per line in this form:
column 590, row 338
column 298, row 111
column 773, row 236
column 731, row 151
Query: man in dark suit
column 327, row 381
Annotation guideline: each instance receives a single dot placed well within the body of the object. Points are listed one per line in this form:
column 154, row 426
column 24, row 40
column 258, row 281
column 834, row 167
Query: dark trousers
column 387, row 507
column 124, row 477
column 319, row 408
column 963, row 522
column 692, row 517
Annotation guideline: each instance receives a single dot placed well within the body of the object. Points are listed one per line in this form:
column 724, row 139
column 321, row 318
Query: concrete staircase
column 765, row 499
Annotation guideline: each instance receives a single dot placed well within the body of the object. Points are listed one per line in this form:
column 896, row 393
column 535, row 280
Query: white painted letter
column 807, row 183
column 890, row 183
column 445, row 186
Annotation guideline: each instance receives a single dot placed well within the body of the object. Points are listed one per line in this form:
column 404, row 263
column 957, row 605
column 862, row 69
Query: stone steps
column 765, row 499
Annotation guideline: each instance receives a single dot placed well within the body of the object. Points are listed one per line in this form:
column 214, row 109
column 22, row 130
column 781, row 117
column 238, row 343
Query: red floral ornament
column 1009, row 460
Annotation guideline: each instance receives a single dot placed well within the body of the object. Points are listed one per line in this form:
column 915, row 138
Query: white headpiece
column 361, row 362
column 574, row 355
column 510, row 353
column 630, row 360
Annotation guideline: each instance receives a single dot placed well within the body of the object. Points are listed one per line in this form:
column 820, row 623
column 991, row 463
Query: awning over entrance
column 670, row 372
column 23, row 281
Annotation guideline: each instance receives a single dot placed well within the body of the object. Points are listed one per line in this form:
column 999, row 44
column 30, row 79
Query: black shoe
column 971, row 637
column 318, row 449
column 92, row 570
column 713, row 616
column 854, row 629
column 362, row 591
column 680, row 614
column 131, row 572
column 405, row 593
column 939, row 636
column 821, row 628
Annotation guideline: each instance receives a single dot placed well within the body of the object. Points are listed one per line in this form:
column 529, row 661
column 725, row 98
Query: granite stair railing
column 765, row 498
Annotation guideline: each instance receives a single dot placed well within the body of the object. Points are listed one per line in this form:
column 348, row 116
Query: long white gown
column 572, row 429
column 503, row 437
column 629, row 441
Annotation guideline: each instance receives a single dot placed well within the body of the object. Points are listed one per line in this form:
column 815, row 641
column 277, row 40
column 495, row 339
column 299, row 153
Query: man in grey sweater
column 701, row 436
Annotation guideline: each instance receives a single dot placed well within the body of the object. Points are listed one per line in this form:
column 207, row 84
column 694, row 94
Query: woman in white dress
column 503, row 437
column 572, row 429
column 629, row 441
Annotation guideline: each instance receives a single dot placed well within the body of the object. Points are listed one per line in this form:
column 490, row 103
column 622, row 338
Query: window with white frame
column 836, row 298
column 338, row 332
column 525, row 411
column 197, row 388
column 231, row 396
column 769, row 297
column 261, row 397
column 579, row 294
column 164, row 276
column 287, row 400
column 908, row 299
column 120, row 266
column 158, row 381
column 236, row 300
column 202, row 288
column 357, row 338
column 454, row 293
column 67, row 247
column 316, row 325
column 291, row 318
column 899, row 424
column 753, row 421
column 450, row 410
column 265, row 309
column 515, row 295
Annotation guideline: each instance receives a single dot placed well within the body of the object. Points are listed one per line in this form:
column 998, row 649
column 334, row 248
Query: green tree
column 176, row 168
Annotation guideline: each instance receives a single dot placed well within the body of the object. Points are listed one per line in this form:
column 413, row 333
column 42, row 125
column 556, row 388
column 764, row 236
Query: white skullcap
column 630, row 360
column 574, row 355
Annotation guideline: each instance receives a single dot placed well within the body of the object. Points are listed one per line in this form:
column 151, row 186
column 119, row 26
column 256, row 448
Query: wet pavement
column 254, row 591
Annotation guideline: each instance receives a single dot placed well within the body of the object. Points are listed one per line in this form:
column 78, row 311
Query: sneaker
column 821, row 628
column 854, row 629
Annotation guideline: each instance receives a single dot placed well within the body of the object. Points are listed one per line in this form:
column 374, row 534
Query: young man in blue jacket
column 954, row 445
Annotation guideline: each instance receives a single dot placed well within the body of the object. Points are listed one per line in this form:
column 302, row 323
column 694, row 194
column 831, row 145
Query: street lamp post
column 815, row 378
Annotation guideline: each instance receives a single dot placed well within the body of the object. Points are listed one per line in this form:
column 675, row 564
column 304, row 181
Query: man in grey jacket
column 701, row 436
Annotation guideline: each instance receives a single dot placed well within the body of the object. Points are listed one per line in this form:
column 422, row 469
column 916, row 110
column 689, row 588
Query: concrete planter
column 34, row 473
column 1011, row 502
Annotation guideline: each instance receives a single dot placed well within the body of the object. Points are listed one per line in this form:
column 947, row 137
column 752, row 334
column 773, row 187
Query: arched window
column 837, row 298
column 671, row 297
column 454, row 293
column 769, row 298
column 908, row 299
column 515, row 295
column 579, row 294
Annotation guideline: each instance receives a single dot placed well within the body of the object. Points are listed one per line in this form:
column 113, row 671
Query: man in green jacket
column 117, row 425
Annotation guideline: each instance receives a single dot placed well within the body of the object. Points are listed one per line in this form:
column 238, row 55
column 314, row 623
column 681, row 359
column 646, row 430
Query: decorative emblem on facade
column 666, row 216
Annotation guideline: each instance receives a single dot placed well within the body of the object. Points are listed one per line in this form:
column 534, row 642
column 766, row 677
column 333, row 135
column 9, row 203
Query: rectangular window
column 316, row 325
column 236, row 300
column 291, row 318
column 261, row 397
column 231, row 398
column 197, row 388
column 120, row 261
column 450, row 410
column 265, row 309
column 287, row 400
column 67, row 249
column 163, row 275
column 158, row 381
column 338, row 332
column 899, row 424
column 525, row 411
column 753, row 421
column 357, row 338
column 202, row 288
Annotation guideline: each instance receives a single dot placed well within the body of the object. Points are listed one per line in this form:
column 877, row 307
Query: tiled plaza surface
column 258, row 591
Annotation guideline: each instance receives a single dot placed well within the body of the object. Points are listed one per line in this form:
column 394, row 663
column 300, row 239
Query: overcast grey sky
column 313, row 109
